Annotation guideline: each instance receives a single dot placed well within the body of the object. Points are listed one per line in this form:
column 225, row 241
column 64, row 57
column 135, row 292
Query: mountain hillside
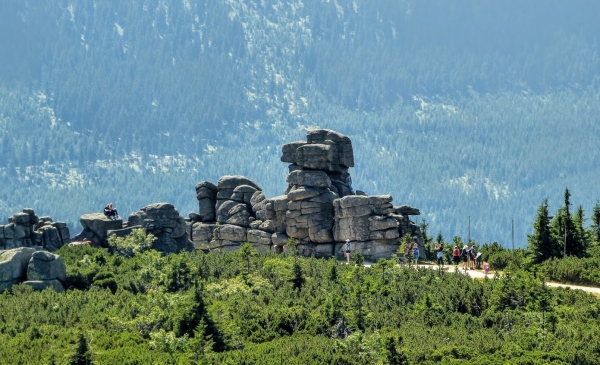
column 465, row 109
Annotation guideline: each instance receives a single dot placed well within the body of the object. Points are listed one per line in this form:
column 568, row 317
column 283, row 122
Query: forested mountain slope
column 474, row 108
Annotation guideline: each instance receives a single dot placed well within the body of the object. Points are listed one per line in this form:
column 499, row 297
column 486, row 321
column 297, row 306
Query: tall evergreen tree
column 581, row 240
column 542, row 244
column 564, row 231
column 595, row 228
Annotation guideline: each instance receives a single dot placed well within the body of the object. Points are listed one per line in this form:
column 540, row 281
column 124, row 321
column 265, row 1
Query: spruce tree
column 595, row 228
column 82, row 354
column 542, row 244
column 580, row 242
column 563, row 229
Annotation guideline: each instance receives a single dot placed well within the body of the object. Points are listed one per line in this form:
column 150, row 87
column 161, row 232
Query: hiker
column 348, row 251
column 110, row 212
column 349, row 183
column 416, row 252
column 440, row 254
column 456, row 255
column 472, row 257
column 486, row 267
column 465, row 257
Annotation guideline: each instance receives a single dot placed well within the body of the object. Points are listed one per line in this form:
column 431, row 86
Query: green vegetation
column 242, row 307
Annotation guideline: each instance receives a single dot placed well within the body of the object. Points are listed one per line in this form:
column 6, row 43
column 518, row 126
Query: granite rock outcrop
column 26, row 229
column 318, row 210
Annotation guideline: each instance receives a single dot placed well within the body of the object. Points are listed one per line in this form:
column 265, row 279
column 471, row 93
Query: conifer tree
column 542, row 244
column 82, row 354
column 595, row 228
column 580, row 237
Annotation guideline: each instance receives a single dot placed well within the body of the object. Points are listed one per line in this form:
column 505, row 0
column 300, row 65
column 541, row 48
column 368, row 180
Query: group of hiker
column 468, row 255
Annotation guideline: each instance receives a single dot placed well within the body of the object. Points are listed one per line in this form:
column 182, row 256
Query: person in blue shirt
column 416, row 252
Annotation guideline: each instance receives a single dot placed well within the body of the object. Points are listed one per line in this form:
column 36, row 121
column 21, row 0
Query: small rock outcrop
column 96, row 227
column 26, row 229
column 166, row 224
column 32, row 266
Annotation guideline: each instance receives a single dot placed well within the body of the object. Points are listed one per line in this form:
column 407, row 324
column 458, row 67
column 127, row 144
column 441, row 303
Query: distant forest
column 475, row 109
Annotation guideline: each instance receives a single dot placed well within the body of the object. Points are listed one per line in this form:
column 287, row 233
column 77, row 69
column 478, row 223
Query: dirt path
column 478, row 274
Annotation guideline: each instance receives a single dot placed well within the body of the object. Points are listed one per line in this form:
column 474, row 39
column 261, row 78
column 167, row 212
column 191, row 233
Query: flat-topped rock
column 96, row 227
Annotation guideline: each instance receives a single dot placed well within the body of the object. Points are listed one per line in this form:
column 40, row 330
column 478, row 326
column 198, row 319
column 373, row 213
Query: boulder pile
column 26, row 229
column 32, row 266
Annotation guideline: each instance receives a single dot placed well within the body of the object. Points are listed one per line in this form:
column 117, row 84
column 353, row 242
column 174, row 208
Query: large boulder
column 13, row 266
column 202, row 235
column 44, row 265
column 345, row 153
column 13, row 263
column 407, row 210
column 23, row 231
column 323, row 149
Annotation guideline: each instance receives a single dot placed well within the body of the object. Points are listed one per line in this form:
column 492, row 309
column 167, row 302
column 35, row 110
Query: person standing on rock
column 348, row 251
column 110, row 212
column 349, row 183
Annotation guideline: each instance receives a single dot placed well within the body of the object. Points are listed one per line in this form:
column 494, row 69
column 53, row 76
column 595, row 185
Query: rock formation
column 166, row 224
column 317, row 210
column 26, row 229
column 32, row 266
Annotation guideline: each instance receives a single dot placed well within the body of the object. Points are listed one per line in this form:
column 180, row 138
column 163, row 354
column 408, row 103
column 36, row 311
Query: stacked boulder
column 40, row 268
column 324, row 150
column 206, row 193
column 318, row 172
column 26, row 229
column 233, row 200
column 235, row 220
